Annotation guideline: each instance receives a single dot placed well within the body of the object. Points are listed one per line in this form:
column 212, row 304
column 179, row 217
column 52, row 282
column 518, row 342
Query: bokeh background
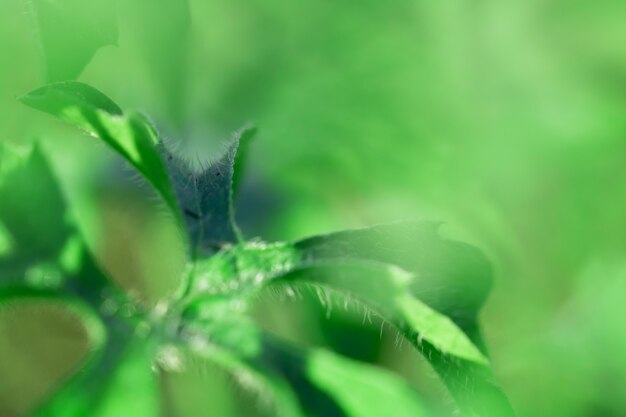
column 505, row 120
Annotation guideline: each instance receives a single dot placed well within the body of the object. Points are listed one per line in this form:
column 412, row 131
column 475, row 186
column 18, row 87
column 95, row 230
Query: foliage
column 400, row 272
column 430, row 289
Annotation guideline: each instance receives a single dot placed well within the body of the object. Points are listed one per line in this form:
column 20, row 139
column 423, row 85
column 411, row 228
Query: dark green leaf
column 116, row 377
column 129, row 134
column 47, row 251
column 32, row 212
column 240, row 268
column 71, row 32
column 321, row 383
column 362, row 390
column 205, row 197
column 454, row 278
column 241, row 158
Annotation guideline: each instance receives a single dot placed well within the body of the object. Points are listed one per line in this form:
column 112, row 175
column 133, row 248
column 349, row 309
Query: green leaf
column 90, row 110
column 439, row 330
column 241, row 158
column 453, row 277
column 47, row 252
column 33, row 216
column 161, row 31
column 328, row 384
column 75, row 305
column 362, row 390
column 251, row 375
column 205, row 197
column 71, row 31
column 115, row 381
column 384, row 291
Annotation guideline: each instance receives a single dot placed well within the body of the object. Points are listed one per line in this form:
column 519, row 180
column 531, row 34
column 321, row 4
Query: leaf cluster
column 428, row 288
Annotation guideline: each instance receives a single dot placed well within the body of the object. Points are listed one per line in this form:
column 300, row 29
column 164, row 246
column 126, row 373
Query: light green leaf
column 160, row 32
column 362, row 390
column 328, row 384
column 116, row 376
column 241, row 158
column 47, row 252
column 71, row 31
column 6, row 243
column 133, row 388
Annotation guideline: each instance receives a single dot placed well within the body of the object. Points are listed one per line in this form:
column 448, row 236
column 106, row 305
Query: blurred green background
column 505, row 120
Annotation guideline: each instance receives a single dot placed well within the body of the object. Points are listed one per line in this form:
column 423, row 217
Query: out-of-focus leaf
column 32, row 212
column 204, row 199
column 385, row 290
column 161, row 31
column 251, row 376
column 90, row 321
column 51, row 264
column 71, row 32
column 116, row 379
column 328, row 384
column 129, row 134
column 452, row 277
column 362, row 390
column 11, row 158
column 133, row 388
column 318, row 381
column 205, row 196
column 47, row 252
